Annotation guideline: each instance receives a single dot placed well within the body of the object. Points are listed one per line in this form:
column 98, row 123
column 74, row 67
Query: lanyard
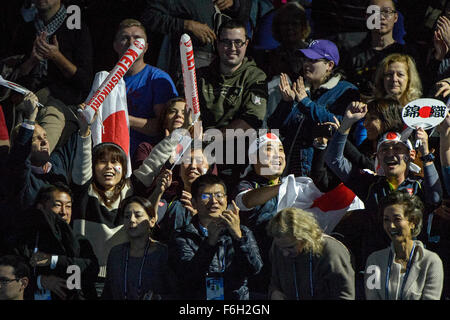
column 36, row 249
column 221, row 250
column 408, row 268
column 204, row 231
column 311, row 287
column 125, row 285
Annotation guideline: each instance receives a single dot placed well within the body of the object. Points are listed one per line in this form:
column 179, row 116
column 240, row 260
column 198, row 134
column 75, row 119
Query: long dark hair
column 389, row 111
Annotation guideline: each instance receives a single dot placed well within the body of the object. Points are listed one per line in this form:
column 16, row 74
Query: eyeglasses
column 5, row 281
column 387, row 12
column 229, row 43
column 208, row 196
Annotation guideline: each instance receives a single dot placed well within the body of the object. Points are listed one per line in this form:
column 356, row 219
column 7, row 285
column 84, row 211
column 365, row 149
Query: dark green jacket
column 224, row 98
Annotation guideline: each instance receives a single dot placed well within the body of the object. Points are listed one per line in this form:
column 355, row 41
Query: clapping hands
column 295, row 92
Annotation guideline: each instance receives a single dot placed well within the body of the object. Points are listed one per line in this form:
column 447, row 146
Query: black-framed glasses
column 5, row 281
column 208, row 196
column 387, row 12
column 229, row 43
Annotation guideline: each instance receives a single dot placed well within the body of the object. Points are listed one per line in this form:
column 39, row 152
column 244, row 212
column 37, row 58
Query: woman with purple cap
column 317, row 97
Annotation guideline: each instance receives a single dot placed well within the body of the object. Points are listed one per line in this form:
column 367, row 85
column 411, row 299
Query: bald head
column 40, row 147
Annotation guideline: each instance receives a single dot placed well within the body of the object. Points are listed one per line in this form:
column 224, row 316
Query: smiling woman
column 110, row 165
column 317, row 97
column 408, row 270
column 97, row 193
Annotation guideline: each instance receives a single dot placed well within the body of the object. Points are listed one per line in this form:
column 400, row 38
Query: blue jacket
column 24, row 184
column 296, row 120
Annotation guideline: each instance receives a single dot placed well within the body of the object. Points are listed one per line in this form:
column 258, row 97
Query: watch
column 428, row 158
column 31, row 123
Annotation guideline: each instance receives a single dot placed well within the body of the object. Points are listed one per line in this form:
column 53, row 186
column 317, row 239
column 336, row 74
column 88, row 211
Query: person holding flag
column 257, row 199
column 179, row 198
column 101, row 186
column 395, row 155
column 148, row 88
column 99, row 190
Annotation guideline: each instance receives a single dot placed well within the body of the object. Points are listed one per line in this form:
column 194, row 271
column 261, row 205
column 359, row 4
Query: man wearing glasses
column 214, row 248
column 14, row 278
column 364, row 58
column 232, row 89
column 232, row 92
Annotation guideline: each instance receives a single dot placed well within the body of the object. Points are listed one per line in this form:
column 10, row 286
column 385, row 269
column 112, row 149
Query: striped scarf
column 53, row 25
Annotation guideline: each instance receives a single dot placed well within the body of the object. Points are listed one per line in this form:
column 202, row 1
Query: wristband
column 428, row 158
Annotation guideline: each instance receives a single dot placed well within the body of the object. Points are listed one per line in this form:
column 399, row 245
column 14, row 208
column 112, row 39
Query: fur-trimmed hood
column 330, row 84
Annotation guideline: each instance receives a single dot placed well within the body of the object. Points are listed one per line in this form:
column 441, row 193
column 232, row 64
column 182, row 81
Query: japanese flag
column 184, row 143
column 111, row 124
column 328, row 208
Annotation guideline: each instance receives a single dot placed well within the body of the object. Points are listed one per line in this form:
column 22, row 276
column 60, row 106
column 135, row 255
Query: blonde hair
column 299, row 224
column 414, row 86
column 128, row 23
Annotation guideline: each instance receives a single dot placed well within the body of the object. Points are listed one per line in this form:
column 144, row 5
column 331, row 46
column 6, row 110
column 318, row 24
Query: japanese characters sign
column 425, row 113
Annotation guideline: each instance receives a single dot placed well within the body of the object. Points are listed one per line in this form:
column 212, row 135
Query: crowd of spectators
column 304, row 90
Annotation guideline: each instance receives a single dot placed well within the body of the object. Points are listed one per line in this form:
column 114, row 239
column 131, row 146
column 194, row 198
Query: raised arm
column 335, row 154
column 247, row 200
column 19, row 164
column 152, row 165
column 432, row 184
column 444, row 132
column 163, row 182
column 82, row 164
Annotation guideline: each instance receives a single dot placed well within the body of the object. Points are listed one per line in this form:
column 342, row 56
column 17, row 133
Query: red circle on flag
column 425, row 112
column 391, row 136
column 271, row 136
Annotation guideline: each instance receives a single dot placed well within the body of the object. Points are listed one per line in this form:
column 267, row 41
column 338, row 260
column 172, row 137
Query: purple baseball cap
column 322, row 49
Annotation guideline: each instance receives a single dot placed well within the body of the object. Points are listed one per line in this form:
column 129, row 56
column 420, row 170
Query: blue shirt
column 145, row 89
